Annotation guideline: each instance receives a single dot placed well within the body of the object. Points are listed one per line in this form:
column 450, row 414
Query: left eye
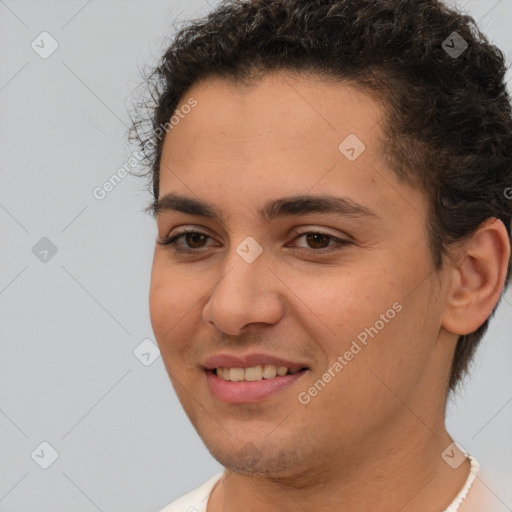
column 316, row 239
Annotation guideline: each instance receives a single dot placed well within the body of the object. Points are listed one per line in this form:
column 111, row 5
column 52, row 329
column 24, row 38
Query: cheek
column 174, row 307
column 366, row 315
column 343, row 302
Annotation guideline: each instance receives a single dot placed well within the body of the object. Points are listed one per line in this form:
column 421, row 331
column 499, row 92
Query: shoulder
column 488, row 492
column 196, row 500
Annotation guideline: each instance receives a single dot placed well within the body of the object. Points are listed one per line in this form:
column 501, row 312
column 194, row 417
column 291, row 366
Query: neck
column 393, row 474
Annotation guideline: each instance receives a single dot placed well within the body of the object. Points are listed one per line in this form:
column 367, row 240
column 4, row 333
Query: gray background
column 70, row 324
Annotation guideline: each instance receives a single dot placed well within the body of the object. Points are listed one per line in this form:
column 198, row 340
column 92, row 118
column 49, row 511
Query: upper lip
column 248, row 361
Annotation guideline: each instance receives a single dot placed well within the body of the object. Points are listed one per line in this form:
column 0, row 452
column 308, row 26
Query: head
column 328, row 98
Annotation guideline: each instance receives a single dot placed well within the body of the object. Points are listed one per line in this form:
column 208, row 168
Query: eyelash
column 171, row 241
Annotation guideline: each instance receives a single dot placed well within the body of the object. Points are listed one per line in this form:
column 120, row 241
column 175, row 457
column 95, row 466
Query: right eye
column 194, row 240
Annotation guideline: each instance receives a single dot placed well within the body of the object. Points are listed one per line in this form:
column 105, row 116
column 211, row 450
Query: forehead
column 279, row 108
column 280, row 135
column 275, row 123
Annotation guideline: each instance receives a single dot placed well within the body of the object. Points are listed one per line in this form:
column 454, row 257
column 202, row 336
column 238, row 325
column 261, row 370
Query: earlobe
column 476, row 278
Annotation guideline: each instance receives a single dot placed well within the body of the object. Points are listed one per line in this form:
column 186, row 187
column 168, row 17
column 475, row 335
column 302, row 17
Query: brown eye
column 318, row 240
column 195, row 240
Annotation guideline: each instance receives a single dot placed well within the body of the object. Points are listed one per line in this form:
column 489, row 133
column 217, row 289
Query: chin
column 259, row 460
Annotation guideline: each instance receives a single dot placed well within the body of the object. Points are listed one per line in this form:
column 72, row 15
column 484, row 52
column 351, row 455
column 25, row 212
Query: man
column 334, row 222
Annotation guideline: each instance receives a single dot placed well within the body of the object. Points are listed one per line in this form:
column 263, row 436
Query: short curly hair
column 448, row 127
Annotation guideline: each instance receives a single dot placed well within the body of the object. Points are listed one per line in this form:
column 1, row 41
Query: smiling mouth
column 253, row 384
column 255, row 373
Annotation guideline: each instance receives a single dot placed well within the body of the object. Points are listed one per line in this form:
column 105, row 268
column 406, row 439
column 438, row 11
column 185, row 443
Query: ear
column 477, row 274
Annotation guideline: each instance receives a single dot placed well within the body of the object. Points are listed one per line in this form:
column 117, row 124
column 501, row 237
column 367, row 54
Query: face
column 341, row 293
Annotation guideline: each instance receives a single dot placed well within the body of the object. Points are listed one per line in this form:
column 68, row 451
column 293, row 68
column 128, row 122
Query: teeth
column 255, row 373
column 269, row 371
column 236, row 374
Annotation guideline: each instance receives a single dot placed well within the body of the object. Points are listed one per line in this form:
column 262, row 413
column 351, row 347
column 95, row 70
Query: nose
column 247, row 293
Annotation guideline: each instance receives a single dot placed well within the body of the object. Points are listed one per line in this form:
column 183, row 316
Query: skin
column 373, row 437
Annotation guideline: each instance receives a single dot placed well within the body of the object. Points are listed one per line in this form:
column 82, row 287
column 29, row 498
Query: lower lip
column 246, row 392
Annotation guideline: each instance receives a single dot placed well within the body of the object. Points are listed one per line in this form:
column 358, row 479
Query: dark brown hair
column 449, row 123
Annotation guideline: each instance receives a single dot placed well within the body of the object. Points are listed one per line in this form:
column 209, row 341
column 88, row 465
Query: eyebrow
column 272, row 209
